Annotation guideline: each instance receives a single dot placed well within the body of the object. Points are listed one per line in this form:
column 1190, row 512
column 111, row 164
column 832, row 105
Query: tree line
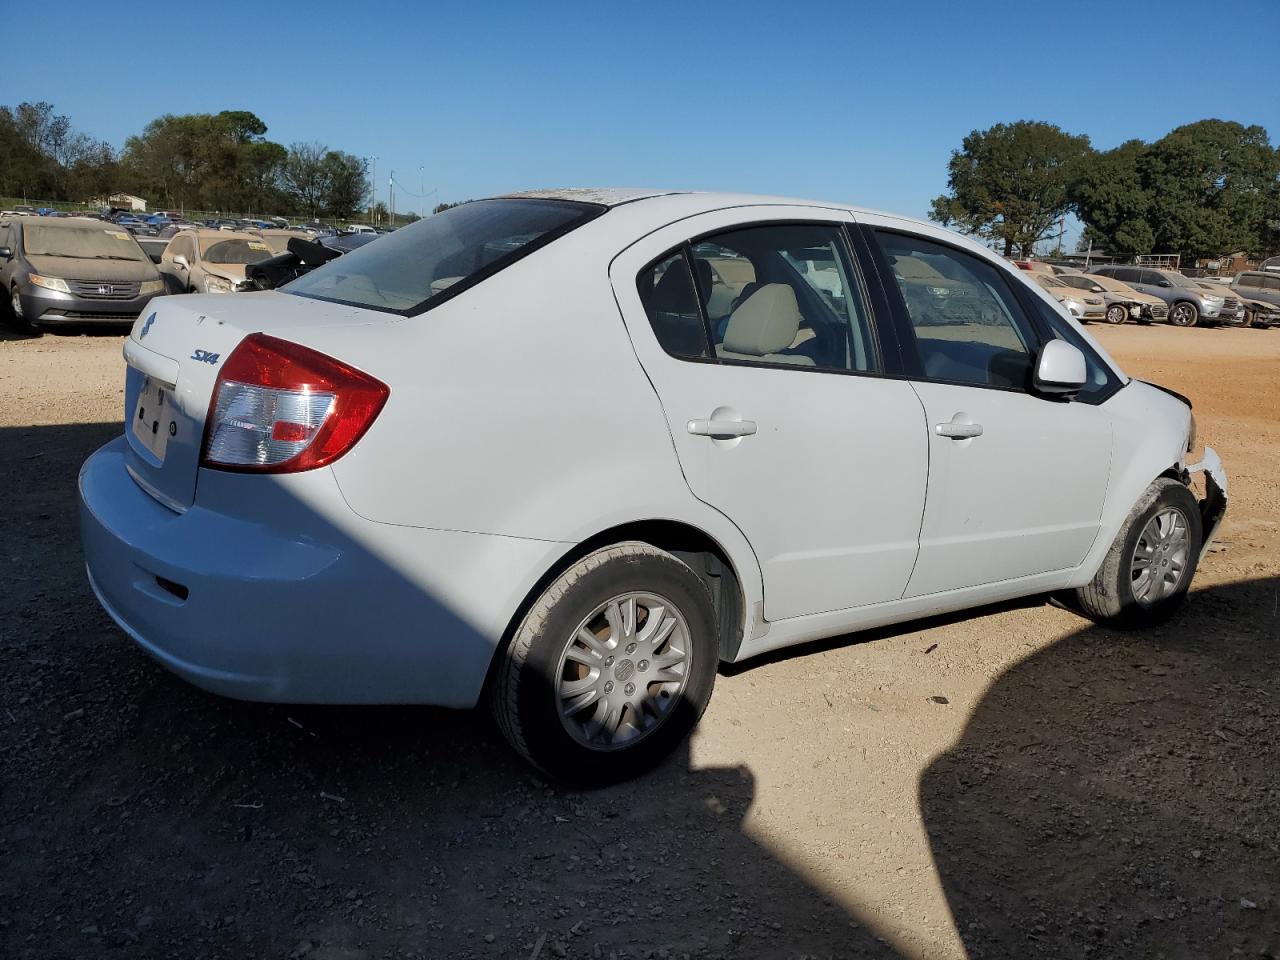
column 1203, row 190
column 197, row 161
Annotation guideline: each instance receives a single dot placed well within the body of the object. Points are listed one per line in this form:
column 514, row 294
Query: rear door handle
column 955, row 430
column 722, row 429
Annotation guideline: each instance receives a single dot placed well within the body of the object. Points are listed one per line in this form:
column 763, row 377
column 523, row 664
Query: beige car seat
column 763, row 324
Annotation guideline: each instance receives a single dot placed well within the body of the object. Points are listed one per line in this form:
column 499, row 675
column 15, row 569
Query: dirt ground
column 1081, row 792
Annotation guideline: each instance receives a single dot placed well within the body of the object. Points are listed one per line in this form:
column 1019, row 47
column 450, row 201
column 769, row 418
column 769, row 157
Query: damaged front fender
column 1214, row 505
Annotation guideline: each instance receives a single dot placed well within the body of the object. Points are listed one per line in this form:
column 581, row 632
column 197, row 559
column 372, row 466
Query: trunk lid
column 173, row 355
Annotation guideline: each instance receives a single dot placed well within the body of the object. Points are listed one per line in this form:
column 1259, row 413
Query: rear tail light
column 279, row 407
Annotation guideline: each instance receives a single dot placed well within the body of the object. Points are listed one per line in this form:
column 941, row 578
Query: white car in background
column 569, row 451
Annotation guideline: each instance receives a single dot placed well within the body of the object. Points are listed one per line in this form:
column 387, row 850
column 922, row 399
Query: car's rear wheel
column 1117, row 313
column 1145, row 575
column 1184, row 314
column 611, row 668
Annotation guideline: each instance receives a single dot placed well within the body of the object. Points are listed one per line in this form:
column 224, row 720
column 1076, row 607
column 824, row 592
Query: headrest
column 766, row 322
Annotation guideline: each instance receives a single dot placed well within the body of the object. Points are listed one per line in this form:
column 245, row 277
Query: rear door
column 1017, row 480
column 755, row 328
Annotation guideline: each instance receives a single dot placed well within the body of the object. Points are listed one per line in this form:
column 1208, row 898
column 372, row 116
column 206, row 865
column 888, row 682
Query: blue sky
column 854, row 101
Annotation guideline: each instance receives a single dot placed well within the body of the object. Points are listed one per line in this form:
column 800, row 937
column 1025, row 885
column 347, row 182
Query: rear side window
column 666, row 290
column 968, row 325
column 427, row 262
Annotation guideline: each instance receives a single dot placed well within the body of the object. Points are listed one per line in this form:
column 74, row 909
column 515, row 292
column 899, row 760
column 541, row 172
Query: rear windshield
column 87, row 243
column 419, row 265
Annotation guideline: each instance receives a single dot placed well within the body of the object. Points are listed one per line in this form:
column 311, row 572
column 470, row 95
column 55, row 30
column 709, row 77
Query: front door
column 763, row 351
column 1016, row 480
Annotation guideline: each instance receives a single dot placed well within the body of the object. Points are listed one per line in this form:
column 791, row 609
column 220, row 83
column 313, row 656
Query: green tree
column 1202, row 190
column 1010, row 183
column 1109, row 197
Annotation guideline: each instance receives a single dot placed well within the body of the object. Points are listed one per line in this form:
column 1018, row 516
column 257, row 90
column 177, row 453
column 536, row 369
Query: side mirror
column 1096, row 289
column 1060, row 369
column 6, row 253
column 181, row 261
column 1164, row 283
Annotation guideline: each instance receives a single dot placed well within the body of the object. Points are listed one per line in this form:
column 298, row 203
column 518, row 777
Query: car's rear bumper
column 313, row 605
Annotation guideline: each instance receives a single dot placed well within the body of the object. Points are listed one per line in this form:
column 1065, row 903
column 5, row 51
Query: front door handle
column 958, row 430
column 722, row 429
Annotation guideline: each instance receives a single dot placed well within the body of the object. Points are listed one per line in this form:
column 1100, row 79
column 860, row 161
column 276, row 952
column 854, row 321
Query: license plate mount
column 153, row 422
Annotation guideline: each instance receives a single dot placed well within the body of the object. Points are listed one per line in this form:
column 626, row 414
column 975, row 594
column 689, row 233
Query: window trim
column 866, row 291
column 592, row 211
column 910, row 348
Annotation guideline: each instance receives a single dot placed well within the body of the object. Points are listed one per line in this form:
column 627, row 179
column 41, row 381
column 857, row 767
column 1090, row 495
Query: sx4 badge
column 204, row 356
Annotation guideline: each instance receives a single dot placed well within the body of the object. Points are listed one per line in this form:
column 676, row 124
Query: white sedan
column 568, row 451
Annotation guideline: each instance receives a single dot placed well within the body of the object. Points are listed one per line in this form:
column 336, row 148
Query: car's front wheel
column 1146, row 574
column 1184, row 314
column 611, row 668
column 1117, row 313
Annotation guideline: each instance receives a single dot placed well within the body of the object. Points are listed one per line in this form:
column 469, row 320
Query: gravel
column 1084, row 792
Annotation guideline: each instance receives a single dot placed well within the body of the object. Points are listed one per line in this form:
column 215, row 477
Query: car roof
column 692, row 199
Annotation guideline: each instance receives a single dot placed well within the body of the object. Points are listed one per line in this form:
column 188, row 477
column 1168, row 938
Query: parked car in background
column 1260, row 313
column 1263, row 285
column 639, row 500
column 210, row 261
column 72, row 271
column 1188, row 303
column 1228, row 315
column 1085, row 307
column 1122, row 302
column 278, row 240
column 358, row 228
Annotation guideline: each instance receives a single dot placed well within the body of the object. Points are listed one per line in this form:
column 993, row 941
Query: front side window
column 785, row 294
column 1249, row 280
column 968, row 325
column 426, row 262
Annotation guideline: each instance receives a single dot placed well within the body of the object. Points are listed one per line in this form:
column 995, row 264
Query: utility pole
column 373, row 191
column 422, row 190
column 391, row 198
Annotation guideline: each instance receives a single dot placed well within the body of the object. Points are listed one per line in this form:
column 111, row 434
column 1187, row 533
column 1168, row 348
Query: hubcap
column 1116, row 314
column 1160, row 557
column 623, row 670
column 1182, row 315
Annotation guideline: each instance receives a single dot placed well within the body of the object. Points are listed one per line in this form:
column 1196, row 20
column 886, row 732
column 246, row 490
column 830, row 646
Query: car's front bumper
column 302, row 602
column 1214, row 505
column 49, row 307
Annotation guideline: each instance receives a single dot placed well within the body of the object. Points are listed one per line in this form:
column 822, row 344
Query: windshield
column 80, row 243
column 1047, row 281
column 234, row 251
column 407, row 270
column 1178, row 280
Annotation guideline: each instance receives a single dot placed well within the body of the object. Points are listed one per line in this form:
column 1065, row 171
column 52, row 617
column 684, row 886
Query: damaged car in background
column 567, row 452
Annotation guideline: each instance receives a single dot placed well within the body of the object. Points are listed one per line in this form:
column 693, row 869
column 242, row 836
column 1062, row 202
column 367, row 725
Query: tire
column 11, row 311
column 605, row 740
column 1184, row 313
column 1117, row 594
column 1116, row 313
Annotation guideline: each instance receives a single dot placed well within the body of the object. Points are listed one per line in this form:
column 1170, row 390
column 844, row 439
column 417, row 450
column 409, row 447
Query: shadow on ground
column 1115, row 795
